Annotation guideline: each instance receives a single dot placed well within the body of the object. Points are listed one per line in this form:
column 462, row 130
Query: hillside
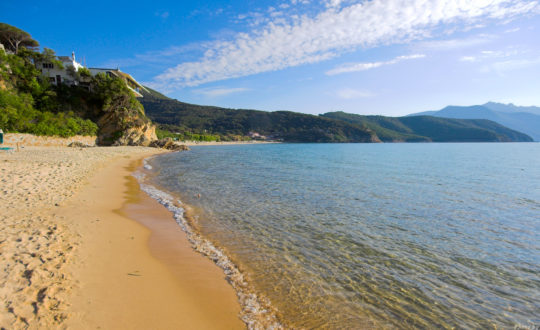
column 330, row 127
column 522, row 119
column 427, row 128
column 93, row 105
column 233, row 124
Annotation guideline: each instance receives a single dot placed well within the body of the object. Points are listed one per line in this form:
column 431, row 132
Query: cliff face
column 119, row 115
column 138, row 136
column 122, row 129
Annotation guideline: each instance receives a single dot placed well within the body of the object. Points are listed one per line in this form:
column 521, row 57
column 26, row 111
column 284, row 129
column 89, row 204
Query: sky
column 387, row 57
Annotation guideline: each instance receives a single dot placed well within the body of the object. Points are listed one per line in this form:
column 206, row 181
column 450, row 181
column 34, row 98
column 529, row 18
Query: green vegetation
column 30, row 104
column 14, row 38
column 186, row 136
column 106, row 107
column 184, row 118
column 432, row 129
column 84, row 72
column 229, row 124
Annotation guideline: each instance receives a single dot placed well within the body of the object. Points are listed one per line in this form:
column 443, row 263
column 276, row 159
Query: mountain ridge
column 509, row 115
column 290, row 126
column 433, row 129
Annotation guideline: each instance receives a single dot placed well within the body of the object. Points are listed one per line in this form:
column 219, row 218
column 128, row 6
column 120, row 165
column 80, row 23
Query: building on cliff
column 66, row 73
column 126, row 77
column 61, row 74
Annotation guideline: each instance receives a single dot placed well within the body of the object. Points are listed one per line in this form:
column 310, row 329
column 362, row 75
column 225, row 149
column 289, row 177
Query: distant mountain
column 511, row 108
column 432, row 129
column 177, row 116
column 522, row 119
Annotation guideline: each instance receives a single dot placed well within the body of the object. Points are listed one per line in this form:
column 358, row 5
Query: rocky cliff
column 125, row 130
column 119, row 115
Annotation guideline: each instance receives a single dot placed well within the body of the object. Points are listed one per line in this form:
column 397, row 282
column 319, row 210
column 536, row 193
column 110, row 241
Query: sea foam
column 256, row 312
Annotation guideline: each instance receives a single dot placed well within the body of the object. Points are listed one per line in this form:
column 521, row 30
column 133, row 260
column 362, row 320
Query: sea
column 348, row 236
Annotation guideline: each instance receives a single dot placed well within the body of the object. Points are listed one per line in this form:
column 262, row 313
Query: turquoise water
column 357, row 235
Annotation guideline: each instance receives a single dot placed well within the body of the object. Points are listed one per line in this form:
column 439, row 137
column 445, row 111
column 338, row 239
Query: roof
column 65, row 58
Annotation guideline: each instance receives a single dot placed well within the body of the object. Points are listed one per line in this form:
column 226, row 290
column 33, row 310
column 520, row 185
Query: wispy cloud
column 167, row 56
column 490, row 55
column 502, row 67
column 216, row 92
column 163, row 15
column 298, row 40
column 349, row 94
column 503, row 60
column 363, row 66
column 512, row 30
column 455, row 44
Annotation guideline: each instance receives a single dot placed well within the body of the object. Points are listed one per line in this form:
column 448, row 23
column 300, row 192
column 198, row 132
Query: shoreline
column 256, row 310
column 146, row 268
column 215, row 143
column 73, row 256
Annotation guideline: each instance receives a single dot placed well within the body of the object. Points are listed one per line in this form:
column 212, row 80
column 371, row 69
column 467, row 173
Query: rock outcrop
column 138, row 136
column 77, row 144
column 169, row 144
column 120, row 128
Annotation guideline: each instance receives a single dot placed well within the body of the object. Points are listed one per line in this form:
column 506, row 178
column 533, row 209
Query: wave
column 256, row 311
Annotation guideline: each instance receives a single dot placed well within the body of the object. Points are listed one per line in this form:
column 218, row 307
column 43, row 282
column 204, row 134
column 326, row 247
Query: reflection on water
column 407, row 235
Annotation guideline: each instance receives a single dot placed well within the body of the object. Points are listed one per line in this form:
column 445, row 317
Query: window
column 48, row 65
column 52, row 79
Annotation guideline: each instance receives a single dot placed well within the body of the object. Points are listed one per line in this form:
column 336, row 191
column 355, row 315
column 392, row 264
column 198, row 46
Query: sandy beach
column 82, row 247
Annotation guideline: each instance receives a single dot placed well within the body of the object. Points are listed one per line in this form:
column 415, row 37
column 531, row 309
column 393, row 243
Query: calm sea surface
column 357, row 235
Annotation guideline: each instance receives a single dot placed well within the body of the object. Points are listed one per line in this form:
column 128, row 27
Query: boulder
column 169, row 144
column 77, row 144
column 138, row 136
column 122, row 129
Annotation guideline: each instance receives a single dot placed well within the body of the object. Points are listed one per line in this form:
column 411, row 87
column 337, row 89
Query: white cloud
column 349, row 94
column 485, row 55
column 501, row 67
column 302, row 39
column 216, row 92
column 468, row 59
column 355, row 67
column 333, row 3
column 455, row 44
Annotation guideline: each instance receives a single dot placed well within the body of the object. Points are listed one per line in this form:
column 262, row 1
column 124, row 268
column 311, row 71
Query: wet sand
column 82, row 247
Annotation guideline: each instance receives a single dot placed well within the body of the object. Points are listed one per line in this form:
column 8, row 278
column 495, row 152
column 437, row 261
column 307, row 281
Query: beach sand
column 82, row 247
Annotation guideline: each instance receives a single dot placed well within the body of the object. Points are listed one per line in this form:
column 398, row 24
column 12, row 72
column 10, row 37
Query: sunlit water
column 359, row 235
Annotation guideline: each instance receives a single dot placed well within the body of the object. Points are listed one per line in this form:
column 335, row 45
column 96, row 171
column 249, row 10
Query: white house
column 58, row 75
column 65, row 75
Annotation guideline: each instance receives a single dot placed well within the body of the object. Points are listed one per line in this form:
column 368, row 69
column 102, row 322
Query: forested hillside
column 522, row 119
column 30, row 103
column 185, row 118
column 433, row 129
column 232, row 124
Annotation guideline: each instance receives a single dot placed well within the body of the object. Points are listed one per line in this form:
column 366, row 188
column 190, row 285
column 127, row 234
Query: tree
column 13, row 38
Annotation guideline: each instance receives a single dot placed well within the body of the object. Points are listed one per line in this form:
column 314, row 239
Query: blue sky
column 390, row 57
